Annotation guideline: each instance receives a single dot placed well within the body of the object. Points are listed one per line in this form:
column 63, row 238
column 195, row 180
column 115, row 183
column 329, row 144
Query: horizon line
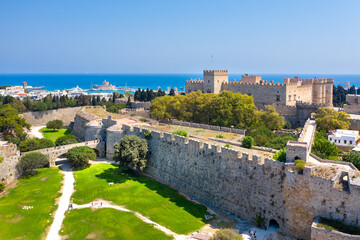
column 175, row 73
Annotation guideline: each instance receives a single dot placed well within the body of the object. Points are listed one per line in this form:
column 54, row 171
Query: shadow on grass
column 118, row 175
column 67, row 132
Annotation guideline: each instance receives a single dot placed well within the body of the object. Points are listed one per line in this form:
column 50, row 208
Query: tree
column 226, row 109
column 11, row 125
column 323, row 148
column 80, row 156
column 131, row 152
column 226, row 234
column 247, row 142
column 271, row 119
column 172, row 92
column 55, row 124
column 31, row 161
column 353, row 157
column 39, row 106
column 328, row 118
column 32, row 144
column 65, row 140
column 116, row 107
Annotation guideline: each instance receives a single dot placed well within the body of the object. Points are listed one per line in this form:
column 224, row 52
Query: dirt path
column 68, row 190
column 99, row 203
column 35, row 132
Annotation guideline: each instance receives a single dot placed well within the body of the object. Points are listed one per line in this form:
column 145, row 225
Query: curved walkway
column 99, row 203
column 67, row 191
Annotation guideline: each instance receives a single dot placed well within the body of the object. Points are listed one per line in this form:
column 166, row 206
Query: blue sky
column 176, row 36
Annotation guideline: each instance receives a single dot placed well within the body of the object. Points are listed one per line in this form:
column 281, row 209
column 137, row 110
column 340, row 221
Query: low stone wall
column 333, row 161
column 205, row 126
column 67, row 115
column 319, row 233
column 8, row 167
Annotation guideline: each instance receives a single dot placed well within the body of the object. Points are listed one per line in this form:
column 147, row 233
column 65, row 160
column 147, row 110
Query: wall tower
column 213, row 80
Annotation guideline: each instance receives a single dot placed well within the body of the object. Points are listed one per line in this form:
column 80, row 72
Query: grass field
column 51, row 135
column 139, row 193
column 38, row 191
column 107, row 224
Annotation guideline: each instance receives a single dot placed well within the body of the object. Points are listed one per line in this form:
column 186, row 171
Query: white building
column 344, row 137
column 76, row 91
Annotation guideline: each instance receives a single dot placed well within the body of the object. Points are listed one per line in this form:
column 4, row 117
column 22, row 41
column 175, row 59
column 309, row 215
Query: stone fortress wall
column 67, row 115
column 10, row 156
column 243, row 185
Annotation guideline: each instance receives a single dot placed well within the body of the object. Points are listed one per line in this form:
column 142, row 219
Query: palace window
column 277, row 97
column 350, row 142
column 345, row 141
column 289, row 97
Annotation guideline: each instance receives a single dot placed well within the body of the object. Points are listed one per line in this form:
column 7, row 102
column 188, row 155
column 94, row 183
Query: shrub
column 147, row 135
column 280, row 155
column 247, row 142
column 323, row 148
column 259, row 220
column 287, row 125
column 353, row 157
column 2, row 187
column 31, row 161
column 1, row 159
column 45, row 143
column 227, row 234
column 142, row 120
column 228, row 145
column 80, row 156
column 116, row 107
column 181, row 133
column 264, row 137
column 65, row 140
column 131, row 152
column 219, row 136
column 55, row 124
column 299, row 165
column 34, row 144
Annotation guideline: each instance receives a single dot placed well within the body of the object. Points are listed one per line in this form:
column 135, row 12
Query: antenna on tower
column 212, row 61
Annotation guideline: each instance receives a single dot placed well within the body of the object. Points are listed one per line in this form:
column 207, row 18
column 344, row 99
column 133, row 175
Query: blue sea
column 151, row 81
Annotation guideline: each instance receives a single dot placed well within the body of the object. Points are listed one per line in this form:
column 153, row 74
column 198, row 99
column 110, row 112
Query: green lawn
column 108, row 224
column 51, row 135
column 38, row 191
column 139, row 193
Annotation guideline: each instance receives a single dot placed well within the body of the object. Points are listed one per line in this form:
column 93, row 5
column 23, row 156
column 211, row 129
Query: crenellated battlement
column 194, row 81
column 261, row 83
column 215, row 71
column 307, row 81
